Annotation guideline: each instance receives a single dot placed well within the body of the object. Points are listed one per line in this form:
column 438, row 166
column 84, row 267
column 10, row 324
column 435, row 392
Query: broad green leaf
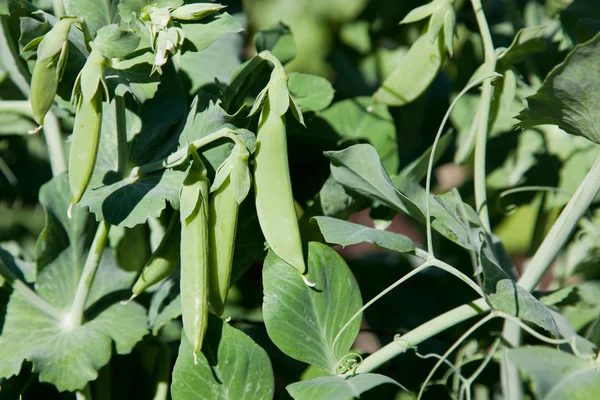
column 130, row 201
column 219, row 61
column 337, row 231
column 114, row 42
column 230, row 366
column 507, row 296
column 279, row 40
column 358, row 169
column 337, row 388
column 312, row 93
column 66, row 356
column 96, row 13
column 557, row 375
column 527, row 41
column 134, row 75
column 414, row 74
column 352, row 121
column 303, row 321
column 202, row 34
column 568, row 97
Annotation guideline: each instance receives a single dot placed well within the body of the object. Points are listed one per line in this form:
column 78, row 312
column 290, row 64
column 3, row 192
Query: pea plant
column 298, row 199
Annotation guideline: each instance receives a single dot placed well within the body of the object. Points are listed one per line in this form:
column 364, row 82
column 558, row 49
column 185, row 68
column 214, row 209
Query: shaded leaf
column 230, row 366
column 337, row 388
column 279, row 40
column 312, row 93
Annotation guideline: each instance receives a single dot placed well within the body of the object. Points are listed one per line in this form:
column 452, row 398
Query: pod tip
column 195, row 358
column 307, row 282
column 70, row 211
column 35, row 130
column 125, row 302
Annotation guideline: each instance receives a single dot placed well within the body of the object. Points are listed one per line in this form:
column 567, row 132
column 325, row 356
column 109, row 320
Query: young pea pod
column 414, row 74
column 163, row 260
column 222, row 216
column 194, row 253
column 51, row 57
column 88, row 121
column 272, row 185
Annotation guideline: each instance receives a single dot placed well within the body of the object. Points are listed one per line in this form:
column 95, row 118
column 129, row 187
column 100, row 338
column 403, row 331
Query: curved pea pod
column 164, row 259
column 196, row 11
column 52, row 53
column 194, row 254
column 414, row 74
column 272, row 185
column 84, row 145
column 87, row 126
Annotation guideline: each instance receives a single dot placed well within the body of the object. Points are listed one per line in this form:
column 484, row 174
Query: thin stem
column 422, row 333
column 22, row 107
column 483, row 118
column 181, row 154
column 75, row 317
column 488, row 357
column 453, row 271
column 30, row 296
column 465, row 335
column 54, row 142
column 432, row 158
column 123, row 155
column 562, row 228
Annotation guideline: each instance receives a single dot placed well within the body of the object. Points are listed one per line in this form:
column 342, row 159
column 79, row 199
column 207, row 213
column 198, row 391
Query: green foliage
column 355, row 221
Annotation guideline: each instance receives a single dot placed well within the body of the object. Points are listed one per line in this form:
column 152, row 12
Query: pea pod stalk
column 194, row 254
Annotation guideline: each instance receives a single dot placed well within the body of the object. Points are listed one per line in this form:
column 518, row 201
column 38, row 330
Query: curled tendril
column 510, row 209
column 349, row 363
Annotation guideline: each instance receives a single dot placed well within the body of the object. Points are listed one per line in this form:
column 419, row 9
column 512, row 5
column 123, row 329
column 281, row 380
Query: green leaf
column 346, row 233
column 303, row 321
column 557, row 375
column 165, row 305
column 414, row 74
column 202, row 34
column 63, row 355
column 230, row 366
column 358, row 169
column 130, row 201
column 507, row 296
column 352, row 120
column 337, row 388
column 568, row 97
column 526, row 42
column 219, row 61
column 312, row 93
column 279, row 40
column 134, row 75
column 114, row 42
column 96, row 13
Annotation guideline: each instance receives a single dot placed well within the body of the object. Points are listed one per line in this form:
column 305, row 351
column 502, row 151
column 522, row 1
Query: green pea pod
column 222, row 216
column 194, row 254
column 88, row 122
column 163, row 260
column 84, row 145
column 272, row 185
column 51, row 56
column 196, row 11
column 414, row 74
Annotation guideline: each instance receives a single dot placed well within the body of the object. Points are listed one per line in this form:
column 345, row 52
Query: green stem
column 75, row 316
column 562, row 229
column 58, row 8
column 29, row 295
column 122, row 150
column 22, row 107
column 422, row 333
column 54, row 142
column 483, row 118
column 162, row 372
column 181, row 154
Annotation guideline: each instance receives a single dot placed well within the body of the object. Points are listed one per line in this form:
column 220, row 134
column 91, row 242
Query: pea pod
column 272, row 185
column 52, row 53
column 163, row 260
column 194, row 254
column 414, row 74
column 86, row 129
